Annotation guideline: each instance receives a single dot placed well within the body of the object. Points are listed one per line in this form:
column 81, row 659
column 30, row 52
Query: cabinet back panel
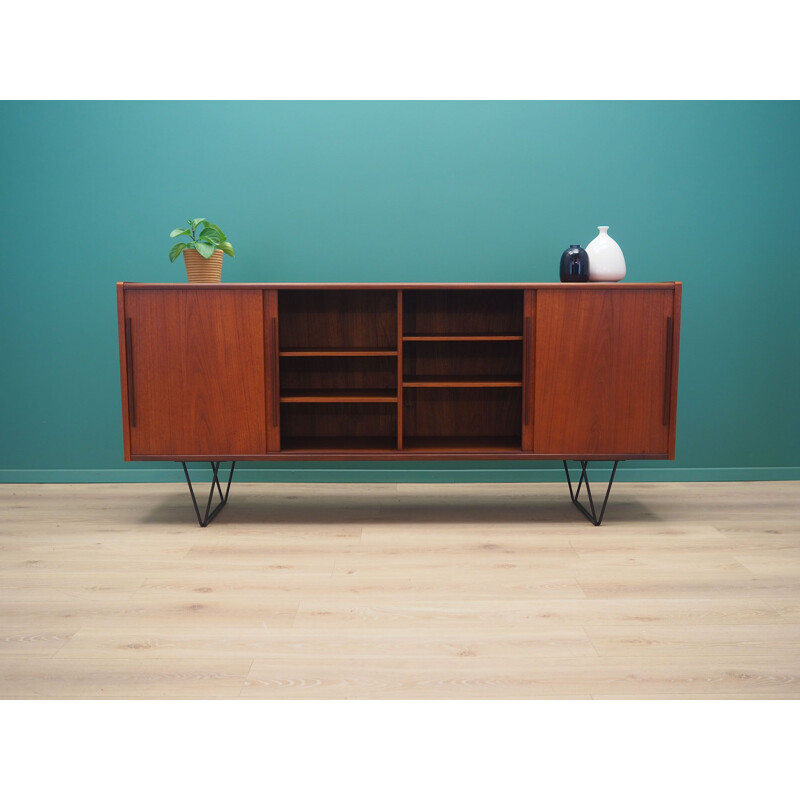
column 462, row 412
column 502, row 359
column 333, row 318
column 351, row 372
column 339, row 420
column 462, row 311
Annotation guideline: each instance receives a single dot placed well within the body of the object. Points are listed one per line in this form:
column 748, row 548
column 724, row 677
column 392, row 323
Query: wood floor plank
column 46, row 607
column 450, row 572
column 788, row 610
column 714, row 696
column 91, row 579
column 767, row 536
column 696, row 584
column 131, row 677
column 646, row 563
column 780, row 639
column 689, row 543
column 458, row 582
column 264, row 553
column 192, row 607
column 520, row 679
column 29, row 549
column 33, row 639
column 185, row 604
column 202, row 641
column 408, row 609
column 782, row 563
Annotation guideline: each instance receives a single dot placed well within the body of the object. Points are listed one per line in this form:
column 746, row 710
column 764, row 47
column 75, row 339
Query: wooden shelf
column 338, row 444
column 470, row 337
column 414, row 444
column 461, row 380
column 297, row 352
column 339, row 396
column 463, row 444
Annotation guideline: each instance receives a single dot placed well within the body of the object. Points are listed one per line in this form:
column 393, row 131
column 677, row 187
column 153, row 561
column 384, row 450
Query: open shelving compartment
column 466, row 419
column 462, row 363
column 464, row 314
column 338, row 370
column 446, row 377
column 462, row 370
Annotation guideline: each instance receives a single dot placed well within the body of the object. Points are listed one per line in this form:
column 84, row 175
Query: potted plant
column 203, row 254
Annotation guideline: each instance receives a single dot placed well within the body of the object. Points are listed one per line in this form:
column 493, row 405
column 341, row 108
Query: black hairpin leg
column 209, row 515
column 592, row 517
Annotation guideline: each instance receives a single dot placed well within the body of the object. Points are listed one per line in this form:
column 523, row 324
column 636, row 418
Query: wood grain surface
column 402, row 591
column 601, row 376
column 198, row 371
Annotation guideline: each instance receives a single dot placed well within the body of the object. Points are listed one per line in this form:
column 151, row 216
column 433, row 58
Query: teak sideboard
column 408, row 371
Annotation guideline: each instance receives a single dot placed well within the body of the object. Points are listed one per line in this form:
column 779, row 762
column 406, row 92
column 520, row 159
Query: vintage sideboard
column 409, row 371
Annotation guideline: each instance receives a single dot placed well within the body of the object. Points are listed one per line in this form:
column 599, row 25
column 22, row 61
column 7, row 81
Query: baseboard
column 390, row 473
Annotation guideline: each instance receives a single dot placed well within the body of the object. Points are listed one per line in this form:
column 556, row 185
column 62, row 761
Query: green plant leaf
column 227, row 247
column 176, row 250
column 179, row 232
column 210, row 235
column 196, row 222
column 222, row 236
column 205, row 249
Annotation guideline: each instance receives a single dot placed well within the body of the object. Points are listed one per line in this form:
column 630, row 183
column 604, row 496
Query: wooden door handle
column 668, row 374
column 129, row 369
column 274, row 372
column 526, row 370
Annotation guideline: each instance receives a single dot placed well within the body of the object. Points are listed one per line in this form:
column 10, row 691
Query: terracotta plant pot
column 203, row 270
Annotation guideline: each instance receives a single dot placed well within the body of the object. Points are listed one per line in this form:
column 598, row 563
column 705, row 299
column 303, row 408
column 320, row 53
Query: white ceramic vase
column 606, row 262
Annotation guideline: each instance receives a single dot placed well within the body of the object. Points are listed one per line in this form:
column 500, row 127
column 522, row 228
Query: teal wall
column 701, row 192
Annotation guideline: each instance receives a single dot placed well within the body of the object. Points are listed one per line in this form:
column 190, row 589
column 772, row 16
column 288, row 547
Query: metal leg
column 215, row 484
column 591, row 516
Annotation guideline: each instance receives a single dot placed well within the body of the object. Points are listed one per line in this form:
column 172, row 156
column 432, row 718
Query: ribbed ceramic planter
column 203, row 270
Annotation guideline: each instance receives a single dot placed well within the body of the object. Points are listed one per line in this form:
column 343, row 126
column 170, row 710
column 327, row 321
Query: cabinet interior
column 462, row 312
column 353, row 376
column 462, row 361
column 337, row 319
column 338, row 426
column 462, row 418
column 338, row 373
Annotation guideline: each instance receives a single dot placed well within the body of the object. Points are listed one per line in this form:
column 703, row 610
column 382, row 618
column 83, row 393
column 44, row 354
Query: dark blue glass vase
column 574, row 265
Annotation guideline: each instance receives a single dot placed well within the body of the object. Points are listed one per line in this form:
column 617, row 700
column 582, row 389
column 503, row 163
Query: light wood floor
column 400, row 591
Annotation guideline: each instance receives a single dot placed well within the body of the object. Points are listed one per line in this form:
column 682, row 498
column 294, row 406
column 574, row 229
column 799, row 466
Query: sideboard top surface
column 565, row 286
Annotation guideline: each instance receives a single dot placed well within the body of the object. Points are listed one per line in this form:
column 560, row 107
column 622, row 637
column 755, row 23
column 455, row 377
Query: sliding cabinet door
column 195, row 377
column 603, row 372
